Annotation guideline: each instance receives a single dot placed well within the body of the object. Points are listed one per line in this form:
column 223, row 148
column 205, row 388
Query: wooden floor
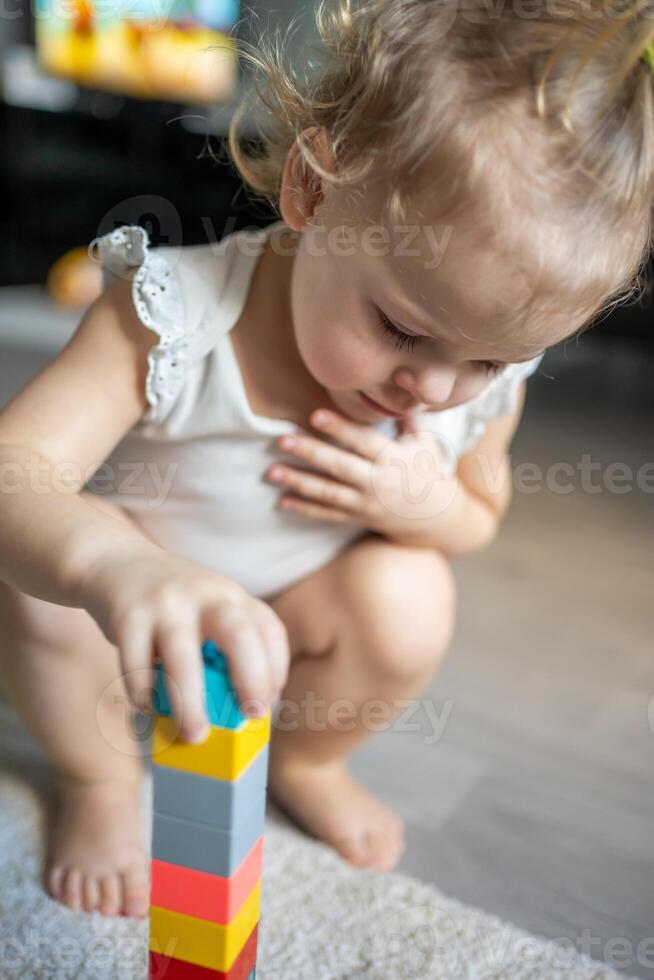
column 537, row 800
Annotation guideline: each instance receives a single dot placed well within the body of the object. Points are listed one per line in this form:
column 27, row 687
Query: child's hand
column 390, row 486
column 147, row 601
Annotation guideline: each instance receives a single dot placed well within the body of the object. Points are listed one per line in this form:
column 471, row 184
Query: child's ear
column 303, row 188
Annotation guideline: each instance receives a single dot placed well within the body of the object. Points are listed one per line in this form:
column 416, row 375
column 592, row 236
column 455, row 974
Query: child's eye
column 490, row 368
column 402, row 339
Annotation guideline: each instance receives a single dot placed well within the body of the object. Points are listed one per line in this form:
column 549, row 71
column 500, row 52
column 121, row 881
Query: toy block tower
column 207, row 839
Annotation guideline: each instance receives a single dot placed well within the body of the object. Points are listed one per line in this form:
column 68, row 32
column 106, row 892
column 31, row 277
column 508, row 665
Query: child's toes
column 397, row 823
column 136, row 894
column 90, row 893
column 384, row 849
column 53, row 881
column 394, row 832
column 355, row 850
column 71, row 888
column 397, row 842
column 394, row 824
column 110, row 897
column 379, row 848
column 396, row 835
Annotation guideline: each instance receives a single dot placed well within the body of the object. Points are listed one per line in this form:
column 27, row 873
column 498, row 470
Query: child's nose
column 432, row 384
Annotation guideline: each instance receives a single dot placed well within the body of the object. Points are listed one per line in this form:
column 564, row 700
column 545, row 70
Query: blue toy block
column 220, row 803
column 206, row 848
column 221, row 701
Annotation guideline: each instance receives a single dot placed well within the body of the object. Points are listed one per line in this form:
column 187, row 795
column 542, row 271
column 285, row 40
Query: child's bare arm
column 57, row 428
column 57, row 546
column 485, row 475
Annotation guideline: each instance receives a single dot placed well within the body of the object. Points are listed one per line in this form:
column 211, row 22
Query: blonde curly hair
column 538, row 109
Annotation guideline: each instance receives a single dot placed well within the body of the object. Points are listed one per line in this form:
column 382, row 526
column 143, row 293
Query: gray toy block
column 219, row 803
column 205, row 848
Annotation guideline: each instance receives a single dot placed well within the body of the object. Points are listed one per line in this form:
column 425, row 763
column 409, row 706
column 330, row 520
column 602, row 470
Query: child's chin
column 358, row 411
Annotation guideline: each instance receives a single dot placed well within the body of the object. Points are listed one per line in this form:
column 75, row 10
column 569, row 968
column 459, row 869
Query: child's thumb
column 409, row 426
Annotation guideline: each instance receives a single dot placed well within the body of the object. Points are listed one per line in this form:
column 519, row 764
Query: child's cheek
column 331, row 324
column 334, row 356
column 468, row 388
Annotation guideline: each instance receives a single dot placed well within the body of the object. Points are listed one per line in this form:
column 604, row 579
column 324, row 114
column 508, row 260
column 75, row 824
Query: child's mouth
column 380, row 408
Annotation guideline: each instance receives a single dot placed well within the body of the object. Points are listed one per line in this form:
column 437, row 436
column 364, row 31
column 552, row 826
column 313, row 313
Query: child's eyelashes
column 402, row 339
column 490, row 368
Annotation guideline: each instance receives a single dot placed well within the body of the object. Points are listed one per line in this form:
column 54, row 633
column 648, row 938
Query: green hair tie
column 648, row 55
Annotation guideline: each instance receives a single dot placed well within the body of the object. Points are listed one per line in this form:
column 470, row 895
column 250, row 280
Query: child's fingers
column 275, row 638
column 135, row 643
column 178, row 645
column 232, row 628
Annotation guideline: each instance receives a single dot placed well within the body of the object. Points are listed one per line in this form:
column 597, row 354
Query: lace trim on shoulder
column 158, row 303
column 498, row 399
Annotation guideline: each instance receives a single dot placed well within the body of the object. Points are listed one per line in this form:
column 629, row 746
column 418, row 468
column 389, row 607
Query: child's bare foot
column 326, row 801
column 97, row 859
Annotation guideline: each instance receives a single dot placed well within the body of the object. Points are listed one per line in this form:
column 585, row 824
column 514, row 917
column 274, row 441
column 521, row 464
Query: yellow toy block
column 204, row 943
column 225, row 754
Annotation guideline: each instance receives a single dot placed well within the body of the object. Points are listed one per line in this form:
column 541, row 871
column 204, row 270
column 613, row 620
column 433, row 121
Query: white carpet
column 321, row 919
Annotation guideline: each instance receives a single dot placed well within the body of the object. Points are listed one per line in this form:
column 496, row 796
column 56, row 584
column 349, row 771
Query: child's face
column 351, row 289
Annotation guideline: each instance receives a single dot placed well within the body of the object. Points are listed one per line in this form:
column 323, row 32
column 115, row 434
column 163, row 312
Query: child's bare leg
column 370, row 626
column 55, row 665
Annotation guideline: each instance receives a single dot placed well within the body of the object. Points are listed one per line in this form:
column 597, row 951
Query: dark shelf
column 64, row 175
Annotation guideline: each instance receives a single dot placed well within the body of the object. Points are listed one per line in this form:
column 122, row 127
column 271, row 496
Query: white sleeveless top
column 190, row 472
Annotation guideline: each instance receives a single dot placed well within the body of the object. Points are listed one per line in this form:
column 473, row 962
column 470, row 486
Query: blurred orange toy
column 83, row 16
column 179, row 51
column 74, row 280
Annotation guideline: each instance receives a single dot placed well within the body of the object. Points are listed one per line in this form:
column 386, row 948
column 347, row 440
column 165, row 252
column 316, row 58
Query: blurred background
column 535, row 800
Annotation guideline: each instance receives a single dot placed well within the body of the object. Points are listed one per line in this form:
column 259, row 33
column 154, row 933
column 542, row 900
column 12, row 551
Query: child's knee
column 403, row 606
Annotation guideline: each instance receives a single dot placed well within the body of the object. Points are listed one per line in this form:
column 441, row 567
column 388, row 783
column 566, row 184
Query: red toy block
column 204, row 895
column 168, row 968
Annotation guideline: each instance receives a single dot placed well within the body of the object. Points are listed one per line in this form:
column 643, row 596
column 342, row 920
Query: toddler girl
column 281, row 442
